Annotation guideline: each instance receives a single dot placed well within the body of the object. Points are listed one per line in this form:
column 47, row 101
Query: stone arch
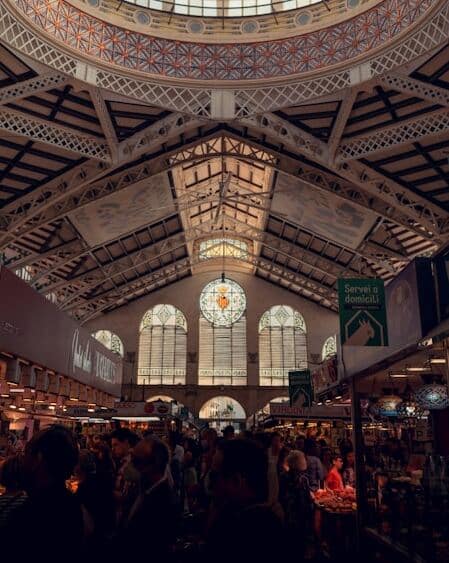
column 222, row 407
column 160, row 397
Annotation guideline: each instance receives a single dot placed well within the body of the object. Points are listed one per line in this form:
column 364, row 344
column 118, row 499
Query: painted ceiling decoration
column 261, row 60
column 115, row 183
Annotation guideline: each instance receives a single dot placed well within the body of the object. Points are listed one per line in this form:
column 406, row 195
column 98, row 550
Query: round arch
column 110, row 340
column 329, row 349
column 164, row 398
column 282, row 344
column 222, row 408
column 162, row 355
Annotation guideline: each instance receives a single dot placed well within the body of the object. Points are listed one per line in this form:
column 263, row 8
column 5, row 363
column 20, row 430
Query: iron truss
column 16, row 31
column 115, row 148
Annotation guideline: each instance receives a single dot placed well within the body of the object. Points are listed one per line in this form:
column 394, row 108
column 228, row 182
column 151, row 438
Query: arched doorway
column 221, row 411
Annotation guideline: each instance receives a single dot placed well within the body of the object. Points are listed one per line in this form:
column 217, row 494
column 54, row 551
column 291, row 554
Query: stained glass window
column 329, row 348
column 230, row 248
column 222, row 303
column 110, row 340
column 282, row 344
column 162, row 347
column 222, row 347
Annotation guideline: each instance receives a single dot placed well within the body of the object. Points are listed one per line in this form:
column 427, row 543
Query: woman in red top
column 334, row 480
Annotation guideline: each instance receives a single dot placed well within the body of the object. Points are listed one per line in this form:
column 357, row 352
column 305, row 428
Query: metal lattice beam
column 340, row 123
column 418, row 88
column 310, row 175
column 401, row 205
column 93, row 307
column 31, row 87
column 54, row 135
column 86, row 282
column 56, row 254
column 416, row 129
column 61, row 195
column 105, row 121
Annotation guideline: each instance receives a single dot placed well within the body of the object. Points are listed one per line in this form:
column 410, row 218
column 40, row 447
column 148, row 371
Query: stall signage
column 136, row 409
column 285, row 410
column 34, row 329
column 84, row 412
column 300, row 388
column 87, row 357
column 363, row 319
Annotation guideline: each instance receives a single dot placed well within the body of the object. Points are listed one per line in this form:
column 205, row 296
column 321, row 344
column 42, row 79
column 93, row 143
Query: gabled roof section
column 105, row 198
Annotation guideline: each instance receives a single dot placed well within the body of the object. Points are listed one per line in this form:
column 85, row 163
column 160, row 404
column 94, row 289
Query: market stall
column 401, row 464
column 41, row 379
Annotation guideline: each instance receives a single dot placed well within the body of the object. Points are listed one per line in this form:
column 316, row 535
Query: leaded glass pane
column 329, row 348
column 222, row 8
column 219, row 247
column 110, row 340
column 282, row 344
column 222, row 303
column 162, row 346
column 222, row 349
column 282, row 316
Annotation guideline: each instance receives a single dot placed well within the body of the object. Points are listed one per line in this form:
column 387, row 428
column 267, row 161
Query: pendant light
column 409, row 407
column 433, row 396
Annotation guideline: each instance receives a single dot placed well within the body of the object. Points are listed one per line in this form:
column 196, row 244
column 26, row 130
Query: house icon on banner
column 364, row 329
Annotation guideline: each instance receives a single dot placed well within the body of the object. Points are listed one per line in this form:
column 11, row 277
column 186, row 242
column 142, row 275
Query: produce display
column 336, row 501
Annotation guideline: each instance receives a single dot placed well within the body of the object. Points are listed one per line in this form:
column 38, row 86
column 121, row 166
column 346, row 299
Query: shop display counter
column 335, row 520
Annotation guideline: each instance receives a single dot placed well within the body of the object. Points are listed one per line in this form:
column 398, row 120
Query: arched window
column 222, row 348
column 222, row 408
column 219, row 247
column 110, row 340
column 162, row 347
column 329, row 348
column 282, row 344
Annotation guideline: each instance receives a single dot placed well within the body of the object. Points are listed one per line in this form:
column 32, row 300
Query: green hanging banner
column 362, row 308
column 300, row 388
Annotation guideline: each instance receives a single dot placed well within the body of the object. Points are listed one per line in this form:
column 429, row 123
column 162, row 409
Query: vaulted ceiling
column 104, row 199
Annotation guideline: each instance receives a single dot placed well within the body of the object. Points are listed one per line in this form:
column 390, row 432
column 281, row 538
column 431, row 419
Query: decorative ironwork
column 260, row 60
column 222, row 302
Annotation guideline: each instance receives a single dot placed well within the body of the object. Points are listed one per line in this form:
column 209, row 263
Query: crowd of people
column 121, row 495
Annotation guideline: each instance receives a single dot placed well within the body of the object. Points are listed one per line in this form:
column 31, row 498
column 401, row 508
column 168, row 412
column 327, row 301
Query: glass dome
column 223, row 8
